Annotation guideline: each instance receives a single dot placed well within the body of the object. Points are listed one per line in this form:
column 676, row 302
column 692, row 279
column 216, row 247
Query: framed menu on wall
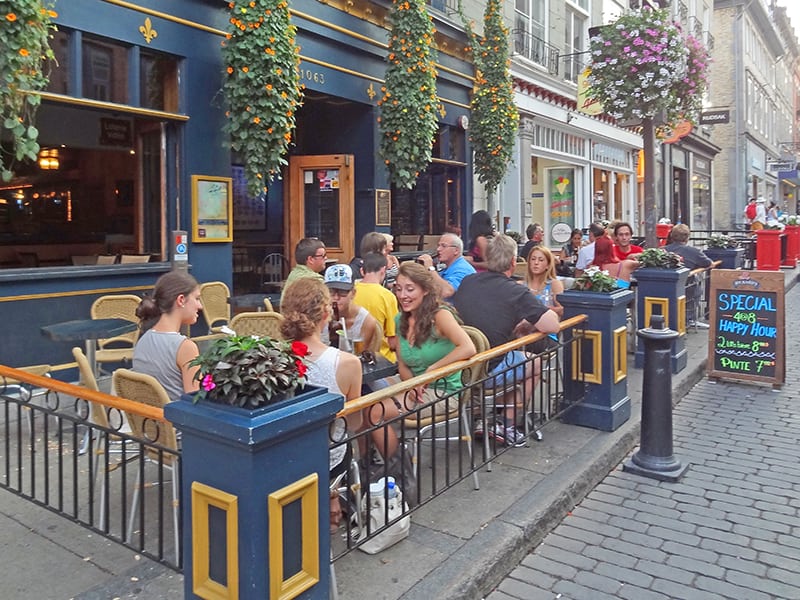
column 212, row 209
column 747, row 314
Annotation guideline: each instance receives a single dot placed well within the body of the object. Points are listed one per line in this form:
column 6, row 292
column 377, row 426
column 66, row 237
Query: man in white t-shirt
column 586, row 254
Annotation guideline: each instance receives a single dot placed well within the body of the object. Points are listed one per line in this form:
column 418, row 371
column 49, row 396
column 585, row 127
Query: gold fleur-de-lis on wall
column 371, row 91
column 147, row 30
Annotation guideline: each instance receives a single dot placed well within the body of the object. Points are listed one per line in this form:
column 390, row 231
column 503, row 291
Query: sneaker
column 477, row 431
column 507, row 435
column 701, row 325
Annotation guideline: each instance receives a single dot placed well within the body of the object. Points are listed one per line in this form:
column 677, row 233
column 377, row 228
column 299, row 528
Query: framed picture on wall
column 249, row 213
column 212, row 209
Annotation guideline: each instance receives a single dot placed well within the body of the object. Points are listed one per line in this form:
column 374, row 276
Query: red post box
column 662, row 232
column 792, row 245
column 768, row 249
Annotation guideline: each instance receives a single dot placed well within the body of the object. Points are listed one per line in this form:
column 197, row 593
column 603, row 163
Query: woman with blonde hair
column 392, row 263
column 541, row 279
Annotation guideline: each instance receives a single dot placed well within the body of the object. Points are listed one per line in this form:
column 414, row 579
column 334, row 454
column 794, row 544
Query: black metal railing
column 99, row 477
column 437, row 445
column 574, row 64
column 535, row 49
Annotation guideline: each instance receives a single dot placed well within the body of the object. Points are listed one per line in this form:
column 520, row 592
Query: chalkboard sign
column 747, row 338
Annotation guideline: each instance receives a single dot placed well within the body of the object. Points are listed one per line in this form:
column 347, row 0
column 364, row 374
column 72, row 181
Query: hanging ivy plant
column 409, row 104
column 495, row 118
column 26, row 30
column 262, row 86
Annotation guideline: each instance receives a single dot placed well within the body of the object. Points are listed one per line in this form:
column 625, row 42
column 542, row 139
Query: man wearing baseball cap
column 358, row 323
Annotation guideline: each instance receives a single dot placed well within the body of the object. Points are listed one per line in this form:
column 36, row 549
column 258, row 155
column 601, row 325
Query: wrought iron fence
column 56, row 456
column 445, row 440
column 127, row 489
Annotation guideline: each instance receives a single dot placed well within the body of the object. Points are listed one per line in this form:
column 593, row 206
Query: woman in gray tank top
column 162, row 351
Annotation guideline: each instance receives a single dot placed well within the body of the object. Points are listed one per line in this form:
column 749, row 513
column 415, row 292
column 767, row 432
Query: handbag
column 397, row 510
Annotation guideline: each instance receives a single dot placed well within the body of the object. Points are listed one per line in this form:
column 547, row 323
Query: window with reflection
column 105, row 71
column 158, row 81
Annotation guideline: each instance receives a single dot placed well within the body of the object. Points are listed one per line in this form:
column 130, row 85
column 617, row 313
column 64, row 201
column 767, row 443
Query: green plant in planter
column 261, row 86
column 514, row 235
column 722, row 241
column 409, row 105
column 26, row 30
column 793, row 220
column 595, row 280
column 658, row 258
column 249, row 371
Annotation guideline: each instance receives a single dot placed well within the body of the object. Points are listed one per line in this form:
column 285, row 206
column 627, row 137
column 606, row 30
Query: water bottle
column 391, row 488
column 547, row 298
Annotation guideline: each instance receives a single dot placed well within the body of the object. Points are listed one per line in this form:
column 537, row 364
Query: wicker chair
column 451, row 426
column 216, row 310
column 145, row 389
column 263, row 324
column 116, row 306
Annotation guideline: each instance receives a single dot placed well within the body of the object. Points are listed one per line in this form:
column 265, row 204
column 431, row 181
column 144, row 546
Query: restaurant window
column 158, row 82
column 105, row 71
column 59, row 69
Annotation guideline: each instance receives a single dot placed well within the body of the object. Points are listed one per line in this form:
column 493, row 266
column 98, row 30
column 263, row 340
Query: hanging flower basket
column 643, row 66
column 261, row 88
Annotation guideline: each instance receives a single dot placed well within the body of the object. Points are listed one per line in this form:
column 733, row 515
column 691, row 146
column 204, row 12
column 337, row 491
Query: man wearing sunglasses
column 310, row 255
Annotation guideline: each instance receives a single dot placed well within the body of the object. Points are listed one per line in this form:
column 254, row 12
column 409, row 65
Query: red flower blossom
column 300, row 349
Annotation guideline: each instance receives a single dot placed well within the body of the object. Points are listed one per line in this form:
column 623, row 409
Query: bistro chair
column 116, row 306
column 24, row 391
column 99, row 415
column 160, row 444
column 485, row 392
column 274, row 269
column 216, row 310
column 262, row 324
column 447, row 425
column 126, row 259
column 107, row 259
column 268, row 305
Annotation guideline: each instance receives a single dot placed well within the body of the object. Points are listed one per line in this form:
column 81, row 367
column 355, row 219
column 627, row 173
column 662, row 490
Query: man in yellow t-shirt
column 380, row 302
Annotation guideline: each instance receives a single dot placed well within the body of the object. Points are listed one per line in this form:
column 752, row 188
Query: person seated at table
column 693, row 258
column 380, row 302
column 481, row 230
column 310, row 255
column 392, row 262
column 306, row 308
column 162, row 351
column 379, row 244
column 358, row 323
column 569, row 254
column 429, row 338
column 605, row 259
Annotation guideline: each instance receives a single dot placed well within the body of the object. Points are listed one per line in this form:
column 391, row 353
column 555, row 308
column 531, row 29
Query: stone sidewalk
column 728, row 530
column 461, row 545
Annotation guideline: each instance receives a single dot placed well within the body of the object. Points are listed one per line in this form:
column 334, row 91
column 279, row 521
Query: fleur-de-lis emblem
column 371, row 91
column 147, row 30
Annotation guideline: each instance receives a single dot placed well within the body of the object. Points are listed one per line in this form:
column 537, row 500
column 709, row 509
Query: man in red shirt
column 622, row 237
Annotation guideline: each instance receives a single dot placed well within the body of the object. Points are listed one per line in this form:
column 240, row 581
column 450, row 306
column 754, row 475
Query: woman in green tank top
column 430, row 337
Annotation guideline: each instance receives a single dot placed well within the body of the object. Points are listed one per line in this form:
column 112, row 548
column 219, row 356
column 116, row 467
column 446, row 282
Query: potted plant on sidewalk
column 661, row 289
column 596, row 383
column 726, row 249
column 251, row 444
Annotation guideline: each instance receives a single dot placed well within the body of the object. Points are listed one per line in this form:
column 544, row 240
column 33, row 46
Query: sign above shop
column 116, row 132
column 773, row 166
column 715, row 117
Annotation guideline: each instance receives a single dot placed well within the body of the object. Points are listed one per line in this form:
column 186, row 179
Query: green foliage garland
column 25, row 28
column 262, row 86
column 409, row 104
column 495, row 118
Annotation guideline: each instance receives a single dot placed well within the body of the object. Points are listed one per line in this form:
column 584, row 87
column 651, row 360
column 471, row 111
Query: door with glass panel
column 319, row 203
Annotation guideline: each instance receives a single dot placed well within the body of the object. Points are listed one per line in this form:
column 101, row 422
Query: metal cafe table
column 378, row 368
column 253, row 302
column 88, row 331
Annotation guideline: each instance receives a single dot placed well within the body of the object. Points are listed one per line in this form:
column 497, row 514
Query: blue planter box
column 662, row 290
column 603, row 385
column 255, row 496
column 732, row 258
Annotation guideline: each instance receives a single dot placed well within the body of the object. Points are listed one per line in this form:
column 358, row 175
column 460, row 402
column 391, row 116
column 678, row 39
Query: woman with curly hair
column 429, row 337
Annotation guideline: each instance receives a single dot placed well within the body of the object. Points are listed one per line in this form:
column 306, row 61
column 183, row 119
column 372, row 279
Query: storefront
column 132, row 138
column 571, row 169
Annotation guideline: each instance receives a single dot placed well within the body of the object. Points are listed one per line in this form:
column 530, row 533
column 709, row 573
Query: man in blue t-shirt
column 450, row 250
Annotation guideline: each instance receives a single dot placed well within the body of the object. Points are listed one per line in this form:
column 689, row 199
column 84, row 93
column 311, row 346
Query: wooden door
column 319, row 203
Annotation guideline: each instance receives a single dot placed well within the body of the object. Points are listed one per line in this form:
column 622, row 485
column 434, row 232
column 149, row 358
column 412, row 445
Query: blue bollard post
column 654, row 458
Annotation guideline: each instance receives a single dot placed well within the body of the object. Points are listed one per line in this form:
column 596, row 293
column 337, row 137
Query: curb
column 478, row 566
